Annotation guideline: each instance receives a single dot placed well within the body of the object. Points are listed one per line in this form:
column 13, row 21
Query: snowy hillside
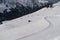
column 43, row 24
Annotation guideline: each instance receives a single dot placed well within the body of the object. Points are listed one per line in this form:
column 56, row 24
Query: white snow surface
column 44, row 25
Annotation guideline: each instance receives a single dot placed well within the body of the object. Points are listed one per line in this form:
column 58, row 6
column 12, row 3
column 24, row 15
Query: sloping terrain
column 40, row 25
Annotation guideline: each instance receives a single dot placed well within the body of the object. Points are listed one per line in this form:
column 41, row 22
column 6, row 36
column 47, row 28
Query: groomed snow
column 21, row 29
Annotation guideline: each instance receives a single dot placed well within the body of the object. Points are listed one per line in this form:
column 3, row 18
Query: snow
column 21, row 31
column 20, row 27
column 2, row 7
column 51, row 33
column 44, row 25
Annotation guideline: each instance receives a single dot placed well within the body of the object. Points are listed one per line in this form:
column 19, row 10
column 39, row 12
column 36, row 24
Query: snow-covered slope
column 21, row 29
column 53, row 31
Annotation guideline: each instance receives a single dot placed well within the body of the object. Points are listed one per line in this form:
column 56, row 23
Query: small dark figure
column 0, row 18
column 51, row 5
column 29, row 20
column 47, row 5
